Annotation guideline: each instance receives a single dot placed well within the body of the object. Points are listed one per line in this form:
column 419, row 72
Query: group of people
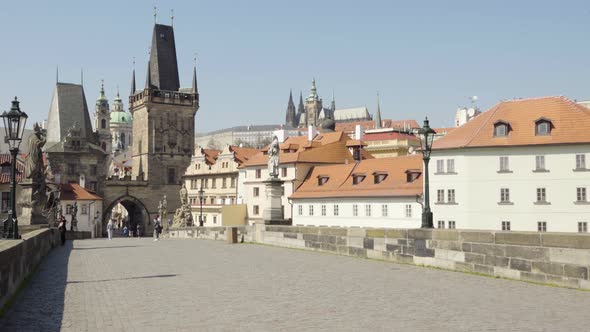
column 111, row 227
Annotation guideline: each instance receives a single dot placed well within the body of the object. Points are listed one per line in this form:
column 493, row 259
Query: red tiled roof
column 242, row 154
column 340, row 179
column 5, row 160
column 391, row 135
column 210, row 155
column 74, row 192
column 570, row 124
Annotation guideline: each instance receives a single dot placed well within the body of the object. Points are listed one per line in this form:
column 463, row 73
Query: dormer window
column 501, row 129
column 357, row 178
column 543, row 127
column 379, row 177
column 412, row 175
column 322, row 179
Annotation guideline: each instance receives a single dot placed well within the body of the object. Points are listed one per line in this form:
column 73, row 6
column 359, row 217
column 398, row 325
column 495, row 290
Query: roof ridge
column 534, row 98
column 494, row 110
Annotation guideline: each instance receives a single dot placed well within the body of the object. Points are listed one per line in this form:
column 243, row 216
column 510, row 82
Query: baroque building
column 121, row 126
column 101, row 121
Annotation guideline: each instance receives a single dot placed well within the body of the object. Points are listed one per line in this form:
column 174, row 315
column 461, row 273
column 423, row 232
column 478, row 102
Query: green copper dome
column 121, row 117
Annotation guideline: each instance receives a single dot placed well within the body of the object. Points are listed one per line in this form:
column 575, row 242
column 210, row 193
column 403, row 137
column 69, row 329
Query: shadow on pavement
column 119, row 279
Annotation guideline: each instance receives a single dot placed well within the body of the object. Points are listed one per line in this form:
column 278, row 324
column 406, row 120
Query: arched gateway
column 137, row 214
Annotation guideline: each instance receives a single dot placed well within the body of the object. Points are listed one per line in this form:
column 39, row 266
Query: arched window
column 103, row 124
column 543, row 127
column 123, row 140
column 501, row 129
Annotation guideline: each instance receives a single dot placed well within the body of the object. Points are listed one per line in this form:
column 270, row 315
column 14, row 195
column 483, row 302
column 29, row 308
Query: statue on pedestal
column 74, row 223
column 273, row 158
column 183, row 216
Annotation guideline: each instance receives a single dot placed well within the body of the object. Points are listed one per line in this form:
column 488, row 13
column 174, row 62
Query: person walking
column 157, row 228
column 125, row 231
column 62, row 230
column 110, row 227
column 138, row 231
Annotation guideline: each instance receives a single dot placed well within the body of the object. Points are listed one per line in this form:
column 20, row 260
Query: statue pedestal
column 273, row 210
column 29, row 206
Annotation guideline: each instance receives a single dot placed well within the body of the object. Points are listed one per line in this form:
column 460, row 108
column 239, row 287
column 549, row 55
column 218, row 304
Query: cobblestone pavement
column 200, row 285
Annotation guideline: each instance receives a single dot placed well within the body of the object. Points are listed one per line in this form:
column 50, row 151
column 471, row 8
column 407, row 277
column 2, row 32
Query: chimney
column 82, row 181
column 310, row 133
column 281, row 135
column 358, row 132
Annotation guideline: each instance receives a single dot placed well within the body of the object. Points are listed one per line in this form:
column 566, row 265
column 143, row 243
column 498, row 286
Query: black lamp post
column 426, row 138
column 201, row 197
column 14, row 125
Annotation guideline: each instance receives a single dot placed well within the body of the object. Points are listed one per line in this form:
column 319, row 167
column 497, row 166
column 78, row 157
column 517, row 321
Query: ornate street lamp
column 14, row 125
column 426, row 135
column 201, row 197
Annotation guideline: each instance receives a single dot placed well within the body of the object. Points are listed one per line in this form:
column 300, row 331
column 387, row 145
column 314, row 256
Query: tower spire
column 333, row 105
column 195, row 88
column 82, row 76
column 378, row 115
column 133, row 79
column 148, row 79
column 172, row 17
column 57, row 74
column 291, row 116
column 155, row 14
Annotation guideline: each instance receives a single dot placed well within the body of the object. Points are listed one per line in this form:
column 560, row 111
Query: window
column 501, row 129
column 542, row 128
column 322, row 180
column 451, row 195
column 356, row 179
column 581, row 194
column 504, row 195
column 258, row 173
column 203, row 185
column 582, row 227
column 284, row 172
column 440, row 166
column 355, row 210
column 103, row 124
column 171, row 175
column 408, row 210
column 213, row 183
column 440, row 196
column 379, row 177
column 84, row 209
column 336, row 212
column 311, row 210
column 224, row 183
column 93, row 170
column 384, row 210
column 5, row 201
column 580, row 161
column 300, row 209
column 451, row 224
column 542, row 226
column 215, row 219
column 539, row 163
column 450, row 165
column 323, row 210
column 256, row 192
column 368, row 210
column 233, row 182
column 441, row 224
column 504, row 164
column 505, row 225
column 255, row 210
column 94, row 186
column 69, row 209
column 541, row 195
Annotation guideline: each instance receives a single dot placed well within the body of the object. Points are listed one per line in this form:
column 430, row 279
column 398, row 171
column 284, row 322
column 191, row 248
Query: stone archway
column 137, row 215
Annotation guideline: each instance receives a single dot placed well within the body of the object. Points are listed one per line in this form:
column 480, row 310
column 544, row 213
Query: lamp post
column 201, row 197
column 14, row 125
column 426, row 135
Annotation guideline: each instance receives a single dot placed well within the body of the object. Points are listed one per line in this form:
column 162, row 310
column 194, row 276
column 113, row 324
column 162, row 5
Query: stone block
column 356, row 242
column 450, row 255
column 379, row 244
column 520, row 264
column 342, row 250
column 375, row 233
column 357, row 232
column 407, row 250
column 488, row 249
column 474, row 258
column 368, row 243
column 571, row 256
column 333, row 231
column 290, row 235
column 497, row 261
column 563, row 281
column 585, row 284
column 465, row 267
column 327, row 239
column 518, row 238
column 374, row 254
column 393, row 248
column 446, row 245
column 526, row 252
column 534, row 277
column 466, row 247
column 445, row 235
column 309, row 230
column 358, row 252
column 402, row 258
column 548, row 268
column 396, row 233
column 577, row 241
column 328, row 247
column 484, row 269
column 575, row 271
column 403, row 242
column 340, row 241
column 475, row 236
column 312, row 245
column 420, row 234
column 311, row 237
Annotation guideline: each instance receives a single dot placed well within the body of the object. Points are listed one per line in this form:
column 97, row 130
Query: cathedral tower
column 291, row 118
column 102, row 120
column 163, row 116
column 313, row 107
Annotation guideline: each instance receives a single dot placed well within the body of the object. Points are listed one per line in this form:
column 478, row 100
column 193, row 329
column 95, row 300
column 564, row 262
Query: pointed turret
column 164, row 66
column 133, row 80
column 333, row 105
column 291, row 117
column 195, row 89
column 378, row 115
column 300, row 107
column 148, row 78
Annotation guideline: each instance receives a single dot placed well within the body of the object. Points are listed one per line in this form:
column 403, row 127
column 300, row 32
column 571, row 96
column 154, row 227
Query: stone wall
column 550, row 258
column 18, row 258
column 245, row 233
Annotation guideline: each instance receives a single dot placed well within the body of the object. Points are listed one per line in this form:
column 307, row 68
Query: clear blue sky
column 425, row 57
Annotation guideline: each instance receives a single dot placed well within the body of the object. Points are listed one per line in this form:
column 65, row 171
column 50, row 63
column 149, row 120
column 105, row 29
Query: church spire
column 300, row 107
column 291, row 116
column 133, row 79
column 333, row 105
column 378, row 115
column 148, row 78
column 195, row 89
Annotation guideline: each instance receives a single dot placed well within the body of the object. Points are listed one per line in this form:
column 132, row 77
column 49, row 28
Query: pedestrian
column 138, row 231
column 110, row 227
column 62, row 230
column 125, row 231
column 157, row 228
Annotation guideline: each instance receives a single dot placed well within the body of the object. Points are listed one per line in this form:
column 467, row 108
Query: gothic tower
column 291, row 118
column 313, row 107
column 163, row 116
column 102, row 119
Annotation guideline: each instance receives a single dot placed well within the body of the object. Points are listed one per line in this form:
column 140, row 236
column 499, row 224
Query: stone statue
column 183, row 195
column 273, row 158
column 74, row 222
column 34, row 164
